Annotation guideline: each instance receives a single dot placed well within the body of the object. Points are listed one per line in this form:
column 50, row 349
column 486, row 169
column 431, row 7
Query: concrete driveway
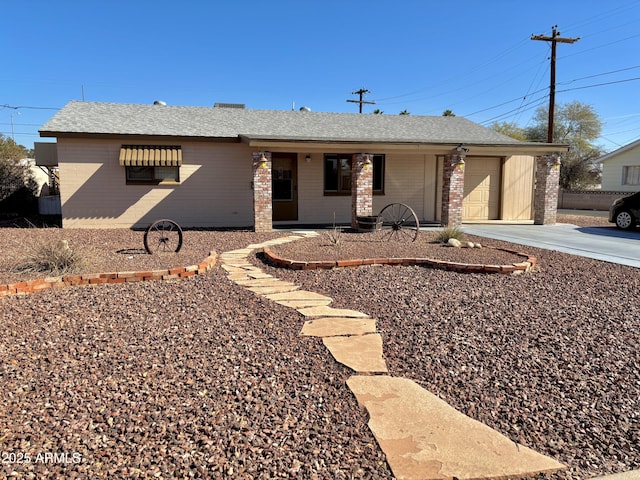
column 602, row 243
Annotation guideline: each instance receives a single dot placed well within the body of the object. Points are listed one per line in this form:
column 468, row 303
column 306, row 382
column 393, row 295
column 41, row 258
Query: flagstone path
column 421, row 435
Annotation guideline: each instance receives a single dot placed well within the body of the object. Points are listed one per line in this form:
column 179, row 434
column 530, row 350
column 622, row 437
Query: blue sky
column 473, row 57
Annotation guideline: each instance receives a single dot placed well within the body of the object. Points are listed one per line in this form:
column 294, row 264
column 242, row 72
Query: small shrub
column 445, row 234
column 53, row 257
column 334, row 236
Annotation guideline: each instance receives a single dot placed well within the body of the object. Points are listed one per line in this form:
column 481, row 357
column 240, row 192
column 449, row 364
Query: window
column 631, row 175
column 146, row 175
column 149, row 164
column 282, row 184
column 337, row 174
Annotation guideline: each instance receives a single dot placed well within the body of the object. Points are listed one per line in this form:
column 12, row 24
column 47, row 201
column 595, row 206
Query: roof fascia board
column 137, row 137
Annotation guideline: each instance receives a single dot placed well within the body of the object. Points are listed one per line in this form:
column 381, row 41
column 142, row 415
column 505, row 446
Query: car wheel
column 624, row 220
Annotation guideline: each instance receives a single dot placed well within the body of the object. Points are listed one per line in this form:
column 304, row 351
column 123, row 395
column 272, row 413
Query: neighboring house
column 124, row 165
column 621, row 169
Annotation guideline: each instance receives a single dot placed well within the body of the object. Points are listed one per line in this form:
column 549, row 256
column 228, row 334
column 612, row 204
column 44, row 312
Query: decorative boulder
column 452, row 242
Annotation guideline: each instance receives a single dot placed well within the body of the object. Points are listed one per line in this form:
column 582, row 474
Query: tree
column 377, row 111
column 13, row 175
column 10, row 150
column 577, row 125
column 448, row 113
column 511, row 129
column 404, row 112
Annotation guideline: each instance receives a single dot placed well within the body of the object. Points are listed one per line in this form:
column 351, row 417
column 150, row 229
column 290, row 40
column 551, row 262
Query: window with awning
column 151, row 164
column 150, row 156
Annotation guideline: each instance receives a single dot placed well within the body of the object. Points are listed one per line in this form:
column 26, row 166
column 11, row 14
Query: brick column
column 361, row 187
column 545, row 200
column 262, row 192
column 452, row 190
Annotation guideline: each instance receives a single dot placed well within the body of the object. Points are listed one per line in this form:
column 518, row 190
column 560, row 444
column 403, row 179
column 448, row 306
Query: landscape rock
column 452, row 242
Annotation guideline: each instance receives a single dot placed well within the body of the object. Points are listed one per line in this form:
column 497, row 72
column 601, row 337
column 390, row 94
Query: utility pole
column 554, row 39
column 361, row 92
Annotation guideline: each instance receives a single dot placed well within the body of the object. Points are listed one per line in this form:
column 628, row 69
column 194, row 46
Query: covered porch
column 435, row 187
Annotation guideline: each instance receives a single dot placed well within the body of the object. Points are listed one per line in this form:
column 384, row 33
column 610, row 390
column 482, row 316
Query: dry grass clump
column 334, row 235
column 444, row 235
column 52, row 257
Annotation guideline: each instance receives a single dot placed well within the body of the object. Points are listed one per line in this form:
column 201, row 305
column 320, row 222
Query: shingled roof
column 90, row 118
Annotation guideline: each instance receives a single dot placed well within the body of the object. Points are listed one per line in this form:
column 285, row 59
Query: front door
column 284, row 176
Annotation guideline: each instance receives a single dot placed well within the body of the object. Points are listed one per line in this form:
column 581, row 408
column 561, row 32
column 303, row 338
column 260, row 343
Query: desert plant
column 444, row 235
column 53, row 257
column 334, row 236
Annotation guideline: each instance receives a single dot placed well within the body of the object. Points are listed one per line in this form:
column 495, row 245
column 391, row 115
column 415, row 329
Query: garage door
column 481, row 189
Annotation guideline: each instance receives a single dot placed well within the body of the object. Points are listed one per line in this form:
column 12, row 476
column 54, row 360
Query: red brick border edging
column 521, row 267
column 176, row 273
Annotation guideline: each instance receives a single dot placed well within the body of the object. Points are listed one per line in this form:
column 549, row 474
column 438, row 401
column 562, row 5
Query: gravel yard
column 200, row 378
column 549, row 359
column 377, row 245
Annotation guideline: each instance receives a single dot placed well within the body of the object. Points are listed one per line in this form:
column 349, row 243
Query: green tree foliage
column 579, row 126
column 448, row 113
column 13, row 174
column 10, row 150
column 510, row 129
column 404, row 112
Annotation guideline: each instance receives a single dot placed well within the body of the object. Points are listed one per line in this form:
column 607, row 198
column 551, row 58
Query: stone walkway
column 421, row 435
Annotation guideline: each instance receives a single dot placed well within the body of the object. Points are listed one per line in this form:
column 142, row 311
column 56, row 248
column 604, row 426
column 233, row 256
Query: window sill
column 348, row 194
column 163, row 183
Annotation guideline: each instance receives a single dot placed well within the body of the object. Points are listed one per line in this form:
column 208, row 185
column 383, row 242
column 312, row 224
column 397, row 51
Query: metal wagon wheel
column 399, row 222
column 163, row 236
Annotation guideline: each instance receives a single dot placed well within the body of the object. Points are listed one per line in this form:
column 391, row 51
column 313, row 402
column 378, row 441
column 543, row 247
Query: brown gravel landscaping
column 110, row 250
column 375, row 245
column 202, row 379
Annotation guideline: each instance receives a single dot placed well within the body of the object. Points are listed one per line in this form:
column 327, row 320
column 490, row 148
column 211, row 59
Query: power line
column 532, row 104
column 468, row 71
column 20, row 133
column 580, row 52
column 600, row 75
column 508, row 102
column 599, row 84
column 600, row 16
column 539, row 99
column 17, row 107
column 529, row 94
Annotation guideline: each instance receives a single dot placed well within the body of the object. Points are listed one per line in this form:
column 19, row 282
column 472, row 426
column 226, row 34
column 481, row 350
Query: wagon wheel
column 163, row 236
column 398, row 221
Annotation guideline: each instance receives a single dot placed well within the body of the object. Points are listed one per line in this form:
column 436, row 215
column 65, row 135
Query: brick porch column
column 452, row 190
column 262, row 192
column 361, row 187
column 545, row 199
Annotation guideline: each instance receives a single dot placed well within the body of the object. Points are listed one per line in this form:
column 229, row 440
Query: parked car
column 625, row 212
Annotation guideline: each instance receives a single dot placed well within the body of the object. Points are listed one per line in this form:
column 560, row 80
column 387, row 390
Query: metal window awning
column 150, row 156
